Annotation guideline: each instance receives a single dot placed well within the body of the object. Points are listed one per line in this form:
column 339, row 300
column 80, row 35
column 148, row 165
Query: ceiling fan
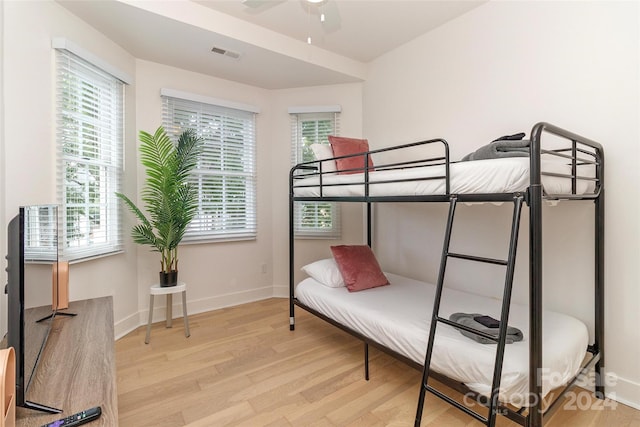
column 324, row 10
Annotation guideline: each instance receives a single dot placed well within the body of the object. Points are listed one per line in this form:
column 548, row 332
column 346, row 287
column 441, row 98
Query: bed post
column 369, row 224
column 292, row 324
column 535, row 280
column 366, row 361
column 366, row 345
column 599, row 281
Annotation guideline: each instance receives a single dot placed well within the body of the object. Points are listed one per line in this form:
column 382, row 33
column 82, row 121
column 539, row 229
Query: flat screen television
column 32, row 247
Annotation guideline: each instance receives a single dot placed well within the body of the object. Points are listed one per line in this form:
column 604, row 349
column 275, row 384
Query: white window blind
column 225, row 175
column 41, row 233
column 89, row 134
column 314, row 219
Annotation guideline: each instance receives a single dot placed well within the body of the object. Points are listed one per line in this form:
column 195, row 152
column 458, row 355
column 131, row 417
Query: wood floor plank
column 224, row 417
column 242, row 366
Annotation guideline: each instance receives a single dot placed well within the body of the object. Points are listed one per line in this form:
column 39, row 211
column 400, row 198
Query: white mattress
column 398, row 317
column 507, row 175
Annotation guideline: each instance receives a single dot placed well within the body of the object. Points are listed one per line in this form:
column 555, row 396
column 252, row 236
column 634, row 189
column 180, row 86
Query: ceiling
column 270, row 36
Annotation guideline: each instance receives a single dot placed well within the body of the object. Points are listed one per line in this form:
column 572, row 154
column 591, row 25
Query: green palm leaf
column 170, row 200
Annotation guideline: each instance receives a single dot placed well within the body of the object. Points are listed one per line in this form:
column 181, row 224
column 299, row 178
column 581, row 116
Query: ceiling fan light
column 315, row 1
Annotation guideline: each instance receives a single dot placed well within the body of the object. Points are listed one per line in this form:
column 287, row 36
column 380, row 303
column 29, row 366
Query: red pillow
column 342, row 146
column 359, row 267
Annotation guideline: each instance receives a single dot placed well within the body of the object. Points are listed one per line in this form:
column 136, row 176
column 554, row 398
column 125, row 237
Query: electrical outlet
column 263, row 268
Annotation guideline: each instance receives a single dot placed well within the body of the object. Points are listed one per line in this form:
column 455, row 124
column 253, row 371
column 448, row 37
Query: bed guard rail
column 585, row 156
column 317, row 169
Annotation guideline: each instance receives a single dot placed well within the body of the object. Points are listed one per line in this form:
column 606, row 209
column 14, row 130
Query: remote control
column 77, row 419
column 487, row 321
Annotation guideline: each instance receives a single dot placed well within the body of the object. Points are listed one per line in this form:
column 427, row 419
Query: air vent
column 225, row 52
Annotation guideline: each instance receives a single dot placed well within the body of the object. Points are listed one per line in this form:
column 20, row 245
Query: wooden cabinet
column 8, row 387
column 77, row 366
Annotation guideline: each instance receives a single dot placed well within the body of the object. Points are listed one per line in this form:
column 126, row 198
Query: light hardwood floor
column 243, row 367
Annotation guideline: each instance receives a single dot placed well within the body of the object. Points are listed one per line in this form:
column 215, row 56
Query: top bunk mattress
column 398, row 317
column 504, row 175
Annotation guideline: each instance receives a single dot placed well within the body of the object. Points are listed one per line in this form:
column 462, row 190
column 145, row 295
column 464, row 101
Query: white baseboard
column 616, row 388
column 228, row 300
column 281, row 291
column 622, row 390
column 126, row 325
column 134, row 321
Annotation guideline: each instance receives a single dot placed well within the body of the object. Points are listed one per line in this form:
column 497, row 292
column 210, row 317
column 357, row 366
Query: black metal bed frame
column 580, row 152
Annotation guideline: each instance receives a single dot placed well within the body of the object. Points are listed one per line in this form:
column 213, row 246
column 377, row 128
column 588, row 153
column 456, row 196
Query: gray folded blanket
column 466, row 319
column 506, row 146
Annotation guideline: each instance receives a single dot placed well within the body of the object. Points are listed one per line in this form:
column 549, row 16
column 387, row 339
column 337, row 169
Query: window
column 41, row 233
column 226, row 172
column 314, row 219
column 89, row 135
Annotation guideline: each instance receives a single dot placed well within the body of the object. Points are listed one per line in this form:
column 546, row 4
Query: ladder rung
column 494, row 407
column 467, row 328
column 455, row 403
column 477, row 258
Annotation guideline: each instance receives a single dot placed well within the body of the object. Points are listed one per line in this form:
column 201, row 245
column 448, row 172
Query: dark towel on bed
column 466, row 319
column 505, row 146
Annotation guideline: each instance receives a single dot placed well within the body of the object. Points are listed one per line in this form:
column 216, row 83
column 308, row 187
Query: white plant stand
column 156, row 289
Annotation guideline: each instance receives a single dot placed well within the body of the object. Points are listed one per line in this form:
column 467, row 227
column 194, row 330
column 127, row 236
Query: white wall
column 224, row 274
column 217, row 274
column 349, row 97
column 3, row 177
column 29, row 139
column 497, row 70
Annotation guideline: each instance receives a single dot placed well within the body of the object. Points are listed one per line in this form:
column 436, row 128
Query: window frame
column 299, row 115
column 226, row 221
column 90, row 96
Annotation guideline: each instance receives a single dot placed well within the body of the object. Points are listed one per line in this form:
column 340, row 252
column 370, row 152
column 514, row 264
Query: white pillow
column 326, row 272
column 324, row 151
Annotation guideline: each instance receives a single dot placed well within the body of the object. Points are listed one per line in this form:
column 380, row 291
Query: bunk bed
column 411, row 320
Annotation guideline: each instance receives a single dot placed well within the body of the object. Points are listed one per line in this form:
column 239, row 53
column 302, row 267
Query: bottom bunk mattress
column 398, row 316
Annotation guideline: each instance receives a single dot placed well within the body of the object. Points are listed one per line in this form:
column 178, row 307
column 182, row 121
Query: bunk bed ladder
column 493, row 405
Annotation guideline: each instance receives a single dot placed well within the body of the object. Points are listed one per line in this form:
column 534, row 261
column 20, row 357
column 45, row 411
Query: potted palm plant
column 170, row 198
